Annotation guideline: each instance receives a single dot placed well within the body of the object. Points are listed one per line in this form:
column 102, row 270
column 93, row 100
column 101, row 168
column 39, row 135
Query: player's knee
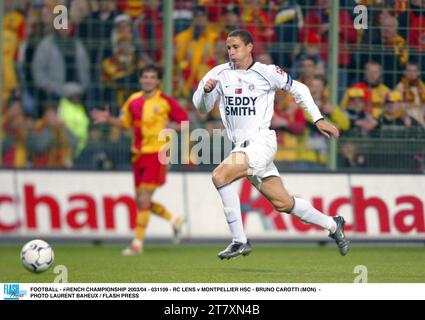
column 143, row 202
column 219, row 177
column 285, row 205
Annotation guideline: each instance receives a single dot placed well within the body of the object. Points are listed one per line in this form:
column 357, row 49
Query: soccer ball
column 37, row 256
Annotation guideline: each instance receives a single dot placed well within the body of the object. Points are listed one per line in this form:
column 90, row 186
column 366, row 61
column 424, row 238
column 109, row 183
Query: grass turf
column 199, row 264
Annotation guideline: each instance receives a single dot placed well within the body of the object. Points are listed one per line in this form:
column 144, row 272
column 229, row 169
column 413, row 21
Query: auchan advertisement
column 101, row 205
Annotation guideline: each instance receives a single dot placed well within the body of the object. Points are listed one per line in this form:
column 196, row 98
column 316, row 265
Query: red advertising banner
column 101, row 205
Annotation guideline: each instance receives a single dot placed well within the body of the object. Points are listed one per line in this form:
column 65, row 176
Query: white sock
column 307, row 213
column 137, row 243
column 232, row 211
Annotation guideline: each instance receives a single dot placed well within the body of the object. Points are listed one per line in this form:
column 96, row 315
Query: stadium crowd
column 52, row 78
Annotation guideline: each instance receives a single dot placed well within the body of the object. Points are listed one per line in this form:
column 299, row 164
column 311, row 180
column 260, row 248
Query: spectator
column 361, row 122
column 257, row 22
column 311, row 51
column 119, row 72
column 9, row 76
column 376, row 11
column 13, row 18
column 73, row 113
column 59, row 59
column 335, row 114
column 288, row 21
column 183, row 14
column 149, row 27
column 412, row 23
column 35, row 29
column 397, row 45
column 394, row 114
column 289, row 122
column 317, row 20
column 15, row 132
column 374, row 91
column 308, row 70
column 350, row 156
column 213, row 120
column 195, row 51
column 122, row 29
column 316, row 147
column 96, row 29
column 264, row 58
column 395, row 123
column 118, row 148
column 412, row 90
column 94, row 156
column 13, row 32
column 231, row 21
column 196, row 119
column 132, row 8
column 217, row 8
column 390, row 49
column 50, row 143
column 81, row 9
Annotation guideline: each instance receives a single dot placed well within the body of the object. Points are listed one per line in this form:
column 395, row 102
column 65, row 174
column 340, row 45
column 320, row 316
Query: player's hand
column 210, row 85
column 101, row 116
column 327, row 129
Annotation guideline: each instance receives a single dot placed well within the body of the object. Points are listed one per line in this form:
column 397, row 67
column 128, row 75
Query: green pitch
column 269, row 264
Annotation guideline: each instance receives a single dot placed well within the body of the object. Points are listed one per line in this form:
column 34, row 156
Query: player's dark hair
column 150, row 68
column 244, row 35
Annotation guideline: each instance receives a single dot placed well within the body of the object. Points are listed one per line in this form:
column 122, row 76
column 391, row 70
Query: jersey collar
column 253, row 62
column 232, row 65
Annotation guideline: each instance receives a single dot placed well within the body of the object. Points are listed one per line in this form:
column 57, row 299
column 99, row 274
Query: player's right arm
column 124, row 120
column 104, row 116
column 207, row 93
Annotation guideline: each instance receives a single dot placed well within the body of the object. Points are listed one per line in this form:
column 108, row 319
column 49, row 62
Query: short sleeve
column 177, row 113
column 279, row 79
column 125, row 115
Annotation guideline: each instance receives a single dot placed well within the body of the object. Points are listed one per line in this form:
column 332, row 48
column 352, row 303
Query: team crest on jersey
column 239, row 86
column 251, row 87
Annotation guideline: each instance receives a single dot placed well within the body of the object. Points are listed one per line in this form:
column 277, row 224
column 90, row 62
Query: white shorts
column 261, row 150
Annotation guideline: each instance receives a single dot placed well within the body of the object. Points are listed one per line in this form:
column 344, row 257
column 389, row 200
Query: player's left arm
column 302, row 96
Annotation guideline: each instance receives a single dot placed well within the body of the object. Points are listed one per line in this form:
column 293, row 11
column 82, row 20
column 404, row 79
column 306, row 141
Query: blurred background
column 367, row 76
column 372, row 89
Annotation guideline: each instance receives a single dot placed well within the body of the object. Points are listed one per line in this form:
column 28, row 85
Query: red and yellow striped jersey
column 147, row 117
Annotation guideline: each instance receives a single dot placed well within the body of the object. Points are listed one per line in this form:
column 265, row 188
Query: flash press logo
column 12, row 291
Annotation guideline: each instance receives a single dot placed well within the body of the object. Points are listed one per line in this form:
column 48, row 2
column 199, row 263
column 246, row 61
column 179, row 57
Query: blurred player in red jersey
column 147, row 113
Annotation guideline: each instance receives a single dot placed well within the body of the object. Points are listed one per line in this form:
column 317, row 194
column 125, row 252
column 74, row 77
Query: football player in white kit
column 246, row 91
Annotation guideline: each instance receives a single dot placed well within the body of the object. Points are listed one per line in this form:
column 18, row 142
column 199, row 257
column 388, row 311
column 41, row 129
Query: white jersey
column 247, row 97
